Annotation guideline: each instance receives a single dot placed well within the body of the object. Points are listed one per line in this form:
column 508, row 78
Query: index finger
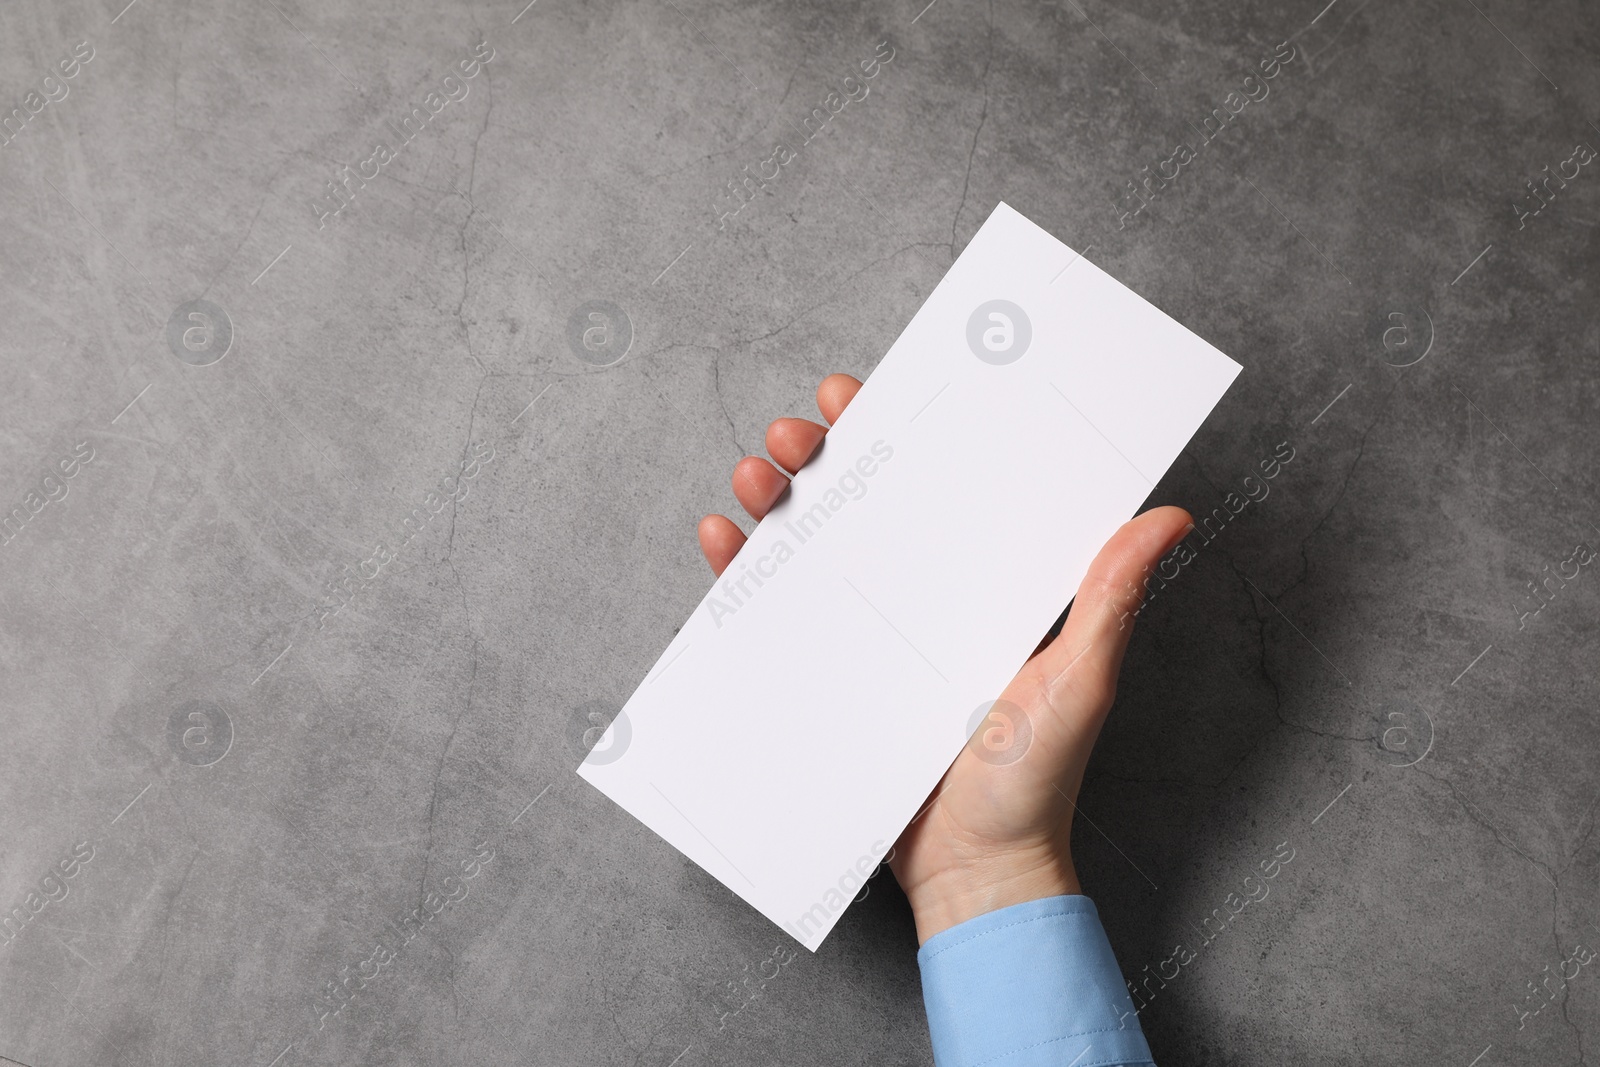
column 836, row 391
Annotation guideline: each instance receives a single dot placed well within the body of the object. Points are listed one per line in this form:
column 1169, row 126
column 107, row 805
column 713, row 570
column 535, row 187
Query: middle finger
column 758, row 485
column 792, row 442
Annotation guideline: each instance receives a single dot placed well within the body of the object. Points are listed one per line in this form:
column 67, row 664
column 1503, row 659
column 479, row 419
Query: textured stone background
column 1342, row 670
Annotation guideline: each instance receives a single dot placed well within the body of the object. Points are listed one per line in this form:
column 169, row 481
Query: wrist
column 951, row 897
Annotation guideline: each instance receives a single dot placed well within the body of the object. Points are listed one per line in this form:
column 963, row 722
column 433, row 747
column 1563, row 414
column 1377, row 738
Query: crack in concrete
column 966, row 180
column 825, row 301
column 1261, row 634
column 1361, row 449
column 1483, row 822
column 438, row 772
column 716, row 386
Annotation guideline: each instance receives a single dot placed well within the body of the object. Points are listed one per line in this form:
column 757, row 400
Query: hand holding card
column 998, row 829
column 814, row 700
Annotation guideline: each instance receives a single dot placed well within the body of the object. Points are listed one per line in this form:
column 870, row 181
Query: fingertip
column 834, row 394
column 792, row 442
column 709, row 525
column 750, row 472
column 720, row 541
column 1164, row 525
column 1141, row 541
column 758, row 485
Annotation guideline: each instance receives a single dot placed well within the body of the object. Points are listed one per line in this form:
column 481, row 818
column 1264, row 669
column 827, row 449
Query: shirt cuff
column 1032, row 985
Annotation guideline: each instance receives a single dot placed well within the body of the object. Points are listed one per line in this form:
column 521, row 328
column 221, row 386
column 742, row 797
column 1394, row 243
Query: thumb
column 1076, row 674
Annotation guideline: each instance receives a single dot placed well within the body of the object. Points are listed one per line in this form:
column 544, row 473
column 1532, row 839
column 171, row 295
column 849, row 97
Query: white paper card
column 811, row 703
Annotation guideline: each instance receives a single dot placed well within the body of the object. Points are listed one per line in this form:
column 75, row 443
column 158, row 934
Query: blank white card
column 811, row 703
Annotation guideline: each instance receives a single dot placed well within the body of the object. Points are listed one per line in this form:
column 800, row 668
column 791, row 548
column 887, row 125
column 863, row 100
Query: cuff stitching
column 1006, row 926
column 1115, row 1061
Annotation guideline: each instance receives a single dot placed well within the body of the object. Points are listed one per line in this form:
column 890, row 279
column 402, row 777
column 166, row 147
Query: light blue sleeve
column 1032, row 985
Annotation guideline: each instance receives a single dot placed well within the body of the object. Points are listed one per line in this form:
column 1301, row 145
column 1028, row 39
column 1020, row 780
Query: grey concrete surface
column 249, row 788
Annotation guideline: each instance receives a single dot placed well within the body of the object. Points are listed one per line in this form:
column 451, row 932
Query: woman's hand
column 998, row 829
